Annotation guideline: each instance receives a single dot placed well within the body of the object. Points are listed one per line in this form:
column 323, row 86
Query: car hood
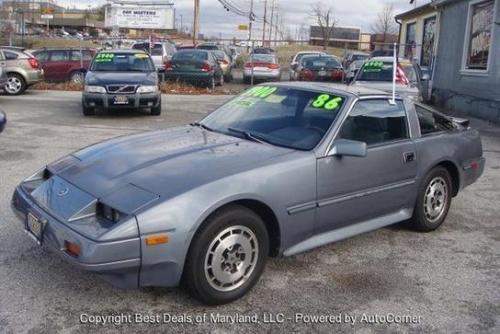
column 387, row 87
column 165, row 163
column 113, row 78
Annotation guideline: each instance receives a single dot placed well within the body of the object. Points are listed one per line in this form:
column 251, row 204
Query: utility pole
column 182, row 25
column 250, row 19
column 276, row 29
column 271, row 24
column 196, row 22
column 264, row 24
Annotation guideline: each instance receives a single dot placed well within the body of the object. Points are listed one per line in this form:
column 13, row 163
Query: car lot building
column 466, row 74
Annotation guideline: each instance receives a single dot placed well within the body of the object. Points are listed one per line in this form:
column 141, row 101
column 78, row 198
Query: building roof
column 420, row 10
column 338, row 33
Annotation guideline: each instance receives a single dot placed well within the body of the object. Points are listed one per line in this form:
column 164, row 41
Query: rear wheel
column 433, row 202
column 221, row 80
column 211, row 83
column 15, row 84
column 77, row 78
column 227, row 255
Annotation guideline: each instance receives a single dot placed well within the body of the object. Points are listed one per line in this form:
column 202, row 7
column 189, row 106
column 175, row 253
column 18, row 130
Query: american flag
column 401, row 76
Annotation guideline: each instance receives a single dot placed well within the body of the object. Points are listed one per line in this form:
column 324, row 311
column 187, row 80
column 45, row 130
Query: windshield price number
column 261, row 91
column 327, row 102
column 104, row 57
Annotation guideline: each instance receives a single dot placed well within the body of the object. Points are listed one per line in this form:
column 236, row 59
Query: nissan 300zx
column 276, row 171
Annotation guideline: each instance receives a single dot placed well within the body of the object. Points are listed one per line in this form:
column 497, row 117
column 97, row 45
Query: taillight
column 34, row 63
column 273, row 66
column 168, row 66
column 206, row 67
column 248, row 65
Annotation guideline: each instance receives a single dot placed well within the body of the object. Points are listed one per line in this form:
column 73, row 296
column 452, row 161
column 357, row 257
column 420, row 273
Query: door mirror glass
column 350, row 148
column 3, row 121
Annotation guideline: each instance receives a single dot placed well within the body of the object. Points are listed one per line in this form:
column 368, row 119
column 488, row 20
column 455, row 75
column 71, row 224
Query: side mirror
column 350, row 148
column 426, row 77
column 294, row 66
column 3, row 121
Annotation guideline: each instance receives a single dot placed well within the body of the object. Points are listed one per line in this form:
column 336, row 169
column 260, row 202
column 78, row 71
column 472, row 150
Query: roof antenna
column 394, row 69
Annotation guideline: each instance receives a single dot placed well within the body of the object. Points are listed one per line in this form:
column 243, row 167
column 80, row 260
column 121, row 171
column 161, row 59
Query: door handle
column 409, row 156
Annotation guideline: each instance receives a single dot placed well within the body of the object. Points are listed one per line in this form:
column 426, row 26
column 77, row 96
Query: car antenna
column 394, row 69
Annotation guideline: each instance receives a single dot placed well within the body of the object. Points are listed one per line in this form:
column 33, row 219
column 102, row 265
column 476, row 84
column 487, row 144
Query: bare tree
column 326, row 21
column 385, row 23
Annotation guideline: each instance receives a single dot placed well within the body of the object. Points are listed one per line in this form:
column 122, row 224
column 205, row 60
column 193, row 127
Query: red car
column 64, row 64
column 320, row 68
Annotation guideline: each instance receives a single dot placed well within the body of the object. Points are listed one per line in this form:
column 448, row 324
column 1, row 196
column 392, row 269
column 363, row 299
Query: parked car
column 225, row 64
column 352, row 69
column 121, row 79
column 3, row 121
column 378, row 73
column 352, row 56
column 295, row 61
column 64, row 64
column 3, row 77
column 186, row 47
column 160, row 53
column 23, row 70
column 263, row 67
column 279, row 170
column 196, row 66
column 320, row 68
column 266, row 51
column 208, row 46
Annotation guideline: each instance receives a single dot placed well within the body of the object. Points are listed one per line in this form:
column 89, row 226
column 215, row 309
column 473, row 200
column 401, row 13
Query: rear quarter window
column 10, row 55
column 432, row 122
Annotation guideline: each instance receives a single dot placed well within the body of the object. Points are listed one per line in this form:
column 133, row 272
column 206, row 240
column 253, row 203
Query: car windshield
column 190, row 55
column 360, row 57
column 302, row 55
column 281, row 116
column 319, row 62
column 263, row 58
column 122, row 62
column 383, row 71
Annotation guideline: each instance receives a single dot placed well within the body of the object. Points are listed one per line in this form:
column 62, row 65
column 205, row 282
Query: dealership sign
column 140, row 17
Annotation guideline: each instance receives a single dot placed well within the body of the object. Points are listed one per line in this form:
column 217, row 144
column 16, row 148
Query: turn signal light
column 71, row 248
column 157, row 239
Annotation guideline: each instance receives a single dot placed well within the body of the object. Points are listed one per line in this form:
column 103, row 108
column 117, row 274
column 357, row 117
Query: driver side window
column 375, row 122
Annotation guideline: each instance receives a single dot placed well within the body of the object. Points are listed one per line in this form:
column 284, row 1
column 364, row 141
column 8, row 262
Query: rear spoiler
column 462, row 122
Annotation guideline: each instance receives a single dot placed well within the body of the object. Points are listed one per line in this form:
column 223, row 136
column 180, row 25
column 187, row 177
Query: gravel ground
column 441, row 282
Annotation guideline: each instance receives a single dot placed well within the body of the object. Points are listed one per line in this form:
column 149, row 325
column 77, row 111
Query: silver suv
column 23, row 70
column 161, row 52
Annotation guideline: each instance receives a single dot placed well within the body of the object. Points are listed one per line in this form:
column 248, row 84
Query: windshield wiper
column 201, row 125
column 250, row 136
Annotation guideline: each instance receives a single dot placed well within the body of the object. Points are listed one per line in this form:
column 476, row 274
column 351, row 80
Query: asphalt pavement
column 389, row 281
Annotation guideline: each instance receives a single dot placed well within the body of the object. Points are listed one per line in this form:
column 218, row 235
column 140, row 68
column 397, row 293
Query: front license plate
column 120, row 99
column 34, row 226
column 322, row 73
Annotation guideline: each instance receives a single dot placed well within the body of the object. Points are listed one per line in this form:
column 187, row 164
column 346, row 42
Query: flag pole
column 394, row 69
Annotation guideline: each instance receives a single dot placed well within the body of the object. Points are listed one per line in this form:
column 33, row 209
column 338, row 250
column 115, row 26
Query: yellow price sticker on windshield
column 141, row 56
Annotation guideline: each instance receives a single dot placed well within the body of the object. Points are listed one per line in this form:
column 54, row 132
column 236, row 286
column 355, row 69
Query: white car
column 295, row 61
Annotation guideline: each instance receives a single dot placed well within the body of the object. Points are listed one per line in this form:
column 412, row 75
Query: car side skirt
column 348, row 231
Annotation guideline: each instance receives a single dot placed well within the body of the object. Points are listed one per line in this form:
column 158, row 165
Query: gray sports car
column 278, row 170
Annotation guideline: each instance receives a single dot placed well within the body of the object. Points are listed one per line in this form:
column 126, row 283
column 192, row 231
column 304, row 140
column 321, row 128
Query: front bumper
column 118, row 261
column 135, row 101
column 259, row 75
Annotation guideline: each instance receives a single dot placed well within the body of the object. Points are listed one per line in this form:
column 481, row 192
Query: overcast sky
column 215, row 20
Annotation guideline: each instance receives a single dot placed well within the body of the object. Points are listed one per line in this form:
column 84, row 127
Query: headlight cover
column 147, row 89
column 95, row 89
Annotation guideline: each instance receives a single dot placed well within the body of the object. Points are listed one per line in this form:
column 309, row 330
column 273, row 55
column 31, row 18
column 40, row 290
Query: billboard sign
column 140, row 17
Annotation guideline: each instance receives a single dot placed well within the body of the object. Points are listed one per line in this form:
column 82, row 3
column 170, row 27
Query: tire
column 221, row 81
column 433, row 201
column 16, row 84
column 88, row 111
column 247, row 81
column 156, row 111
column 249, row 248
column 228, row 78
column 77, row 77
column 211, row 83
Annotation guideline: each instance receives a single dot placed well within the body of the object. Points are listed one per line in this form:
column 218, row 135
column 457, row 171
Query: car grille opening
column 121, row 89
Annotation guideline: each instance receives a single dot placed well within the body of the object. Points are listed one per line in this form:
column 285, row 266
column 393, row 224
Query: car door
column 356, row 189
column 59, row 65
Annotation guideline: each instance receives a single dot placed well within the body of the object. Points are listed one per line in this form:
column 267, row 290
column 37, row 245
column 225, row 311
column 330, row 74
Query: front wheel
column 88, row 111
column 433, row 202
column 227, row 256
column 15, row 84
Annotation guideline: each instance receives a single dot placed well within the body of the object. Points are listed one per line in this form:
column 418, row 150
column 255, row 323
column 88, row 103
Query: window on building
column 428, row 41
column 478, row 36
column 375, row 122
column 411, row 43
